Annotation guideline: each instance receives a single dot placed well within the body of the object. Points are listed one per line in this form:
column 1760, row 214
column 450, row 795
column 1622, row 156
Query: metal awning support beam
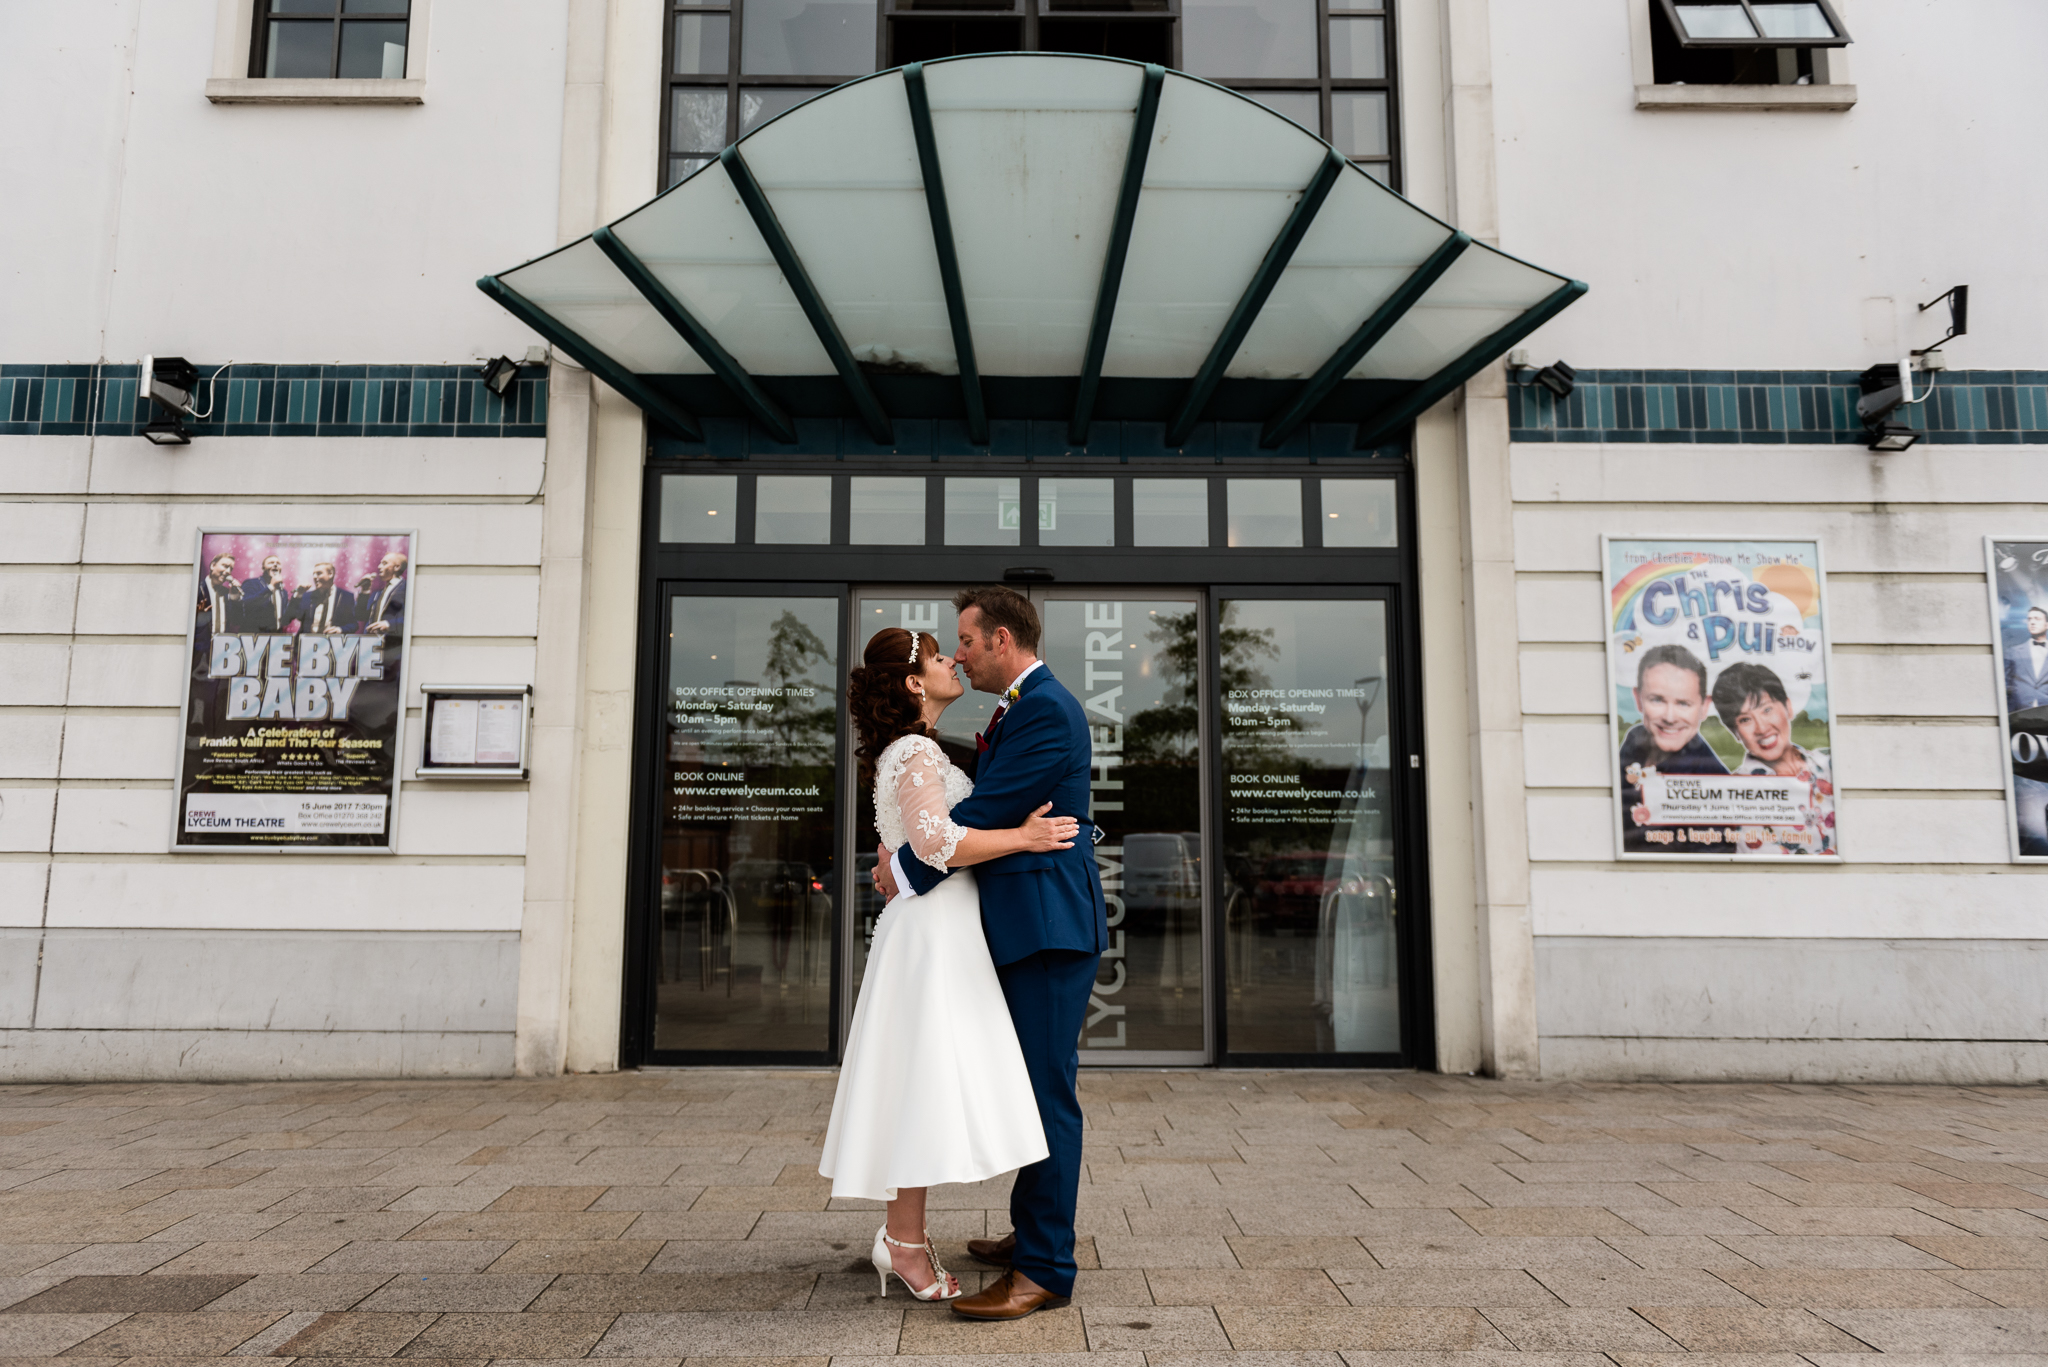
column 807, row 297
column 1347, row 357
column 655, row 405
column 949, row 257
column 1254, row 298
column 1119, row 246
column 765, row 410
column 1489, row 350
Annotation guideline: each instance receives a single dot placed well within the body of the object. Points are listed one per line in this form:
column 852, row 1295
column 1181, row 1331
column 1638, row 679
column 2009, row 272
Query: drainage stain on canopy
column 1032, row 235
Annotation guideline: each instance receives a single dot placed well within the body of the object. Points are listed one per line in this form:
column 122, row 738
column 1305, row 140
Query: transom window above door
column 1086, row 511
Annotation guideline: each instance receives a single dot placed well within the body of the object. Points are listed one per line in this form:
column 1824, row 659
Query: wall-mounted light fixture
column 1884, row 388
column 1557, row 377
column 499, row 374
column 1888, row 387
column 168, row 382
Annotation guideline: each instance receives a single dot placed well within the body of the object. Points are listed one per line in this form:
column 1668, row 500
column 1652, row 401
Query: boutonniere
column 1012, row 693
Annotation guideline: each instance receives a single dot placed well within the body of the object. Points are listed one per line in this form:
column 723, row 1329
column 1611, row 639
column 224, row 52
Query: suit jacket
column 202, row 608
column 257, row 613
column 342, row 613
column 2023, row 688
column 1697, row 757
column 1031, row 902
column 394, row 610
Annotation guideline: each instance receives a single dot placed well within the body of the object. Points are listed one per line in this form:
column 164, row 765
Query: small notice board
column 475, row 730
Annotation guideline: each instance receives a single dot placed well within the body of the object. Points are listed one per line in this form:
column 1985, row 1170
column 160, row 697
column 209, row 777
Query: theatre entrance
column 1255, row 752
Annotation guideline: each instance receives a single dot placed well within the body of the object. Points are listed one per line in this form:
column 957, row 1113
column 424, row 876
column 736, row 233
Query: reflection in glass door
column 1134, row 661
column 1307, row 831
column 742, row 930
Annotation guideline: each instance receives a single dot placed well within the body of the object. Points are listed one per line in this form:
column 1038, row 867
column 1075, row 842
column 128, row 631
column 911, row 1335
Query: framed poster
column 294, row 708
column 1717, row 663
column 2017, row 576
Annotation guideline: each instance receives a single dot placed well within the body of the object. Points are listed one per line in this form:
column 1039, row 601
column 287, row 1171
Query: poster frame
column 2012, row 803
column 412, row 567
column 1610, row 738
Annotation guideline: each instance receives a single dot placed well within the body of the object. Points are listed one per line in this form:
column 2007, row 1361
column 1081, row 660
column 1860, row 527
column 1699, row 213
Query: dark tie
column 981, row 742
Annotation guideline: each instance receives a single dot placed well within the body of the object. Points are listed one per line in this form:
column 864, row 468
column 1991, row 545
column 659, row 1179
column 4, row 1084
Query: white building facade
column 307, row 195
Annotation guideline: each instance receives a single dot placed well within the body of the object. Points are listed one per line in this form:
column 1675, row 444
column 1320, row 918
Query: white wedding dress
column 933, row 1087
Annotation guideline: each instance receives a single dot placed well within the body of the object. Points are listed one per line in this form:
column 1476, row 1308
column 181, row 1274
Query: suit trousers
column 1048, row 997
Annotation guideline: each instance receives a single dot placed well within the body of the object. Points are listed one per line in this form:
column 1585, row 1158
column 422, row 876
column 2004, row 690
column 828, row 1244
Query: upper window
column 1743, row 42
column 358, row 39
column 1326, row 64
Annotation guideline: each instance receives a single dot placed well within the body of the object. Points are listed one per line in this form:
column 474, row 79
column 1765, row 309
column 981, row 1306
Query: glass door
column 1307, row 839
column 1134, row 659
column 740, row 958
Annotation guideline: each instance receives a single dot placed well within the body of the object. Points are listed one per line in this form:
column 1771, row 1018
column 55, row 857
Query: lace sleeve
column 921, row 799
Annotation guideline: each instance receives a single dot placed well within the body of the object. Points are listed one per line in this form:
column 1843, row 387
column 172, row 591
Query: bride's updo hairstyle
column 882, row 708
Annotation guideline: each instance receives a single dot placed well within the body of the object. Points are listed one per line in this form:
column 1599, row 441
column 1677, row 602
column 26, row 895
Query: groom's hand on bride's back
column 884, row 884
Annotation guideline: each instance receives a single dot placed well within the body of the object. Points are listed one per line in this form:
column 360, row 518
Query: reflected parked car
column 1292, row 888
column 1162, row 870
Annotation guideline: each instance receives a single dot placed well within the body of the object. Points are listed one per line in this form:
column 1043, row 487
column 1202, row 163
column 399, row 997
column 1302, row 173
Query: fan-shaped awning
column 1032, row 235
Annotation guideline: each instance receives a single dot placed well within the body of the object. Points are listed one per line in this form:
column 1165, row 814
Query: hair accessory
column 913, row 647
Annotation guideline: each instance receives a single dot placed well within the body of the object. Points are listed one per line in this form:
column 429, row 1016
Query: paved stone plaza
column 1267, row 1218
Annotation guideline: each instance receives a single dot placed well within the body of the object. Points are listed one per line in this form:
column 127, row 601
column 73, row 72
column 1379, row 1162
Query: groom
column 1046, row 925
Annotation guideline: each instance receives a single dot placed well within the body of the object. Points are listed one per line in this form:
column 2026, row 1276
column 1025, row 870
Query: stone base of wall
column 247, row 1055
column 1954, row 1062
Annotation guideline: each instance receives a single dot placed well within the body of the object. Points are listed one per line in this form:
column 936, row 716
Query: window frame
column 732, row 81
column 1029, row 14
column 1325, row 87
column 1678, row 29
column 259, row 38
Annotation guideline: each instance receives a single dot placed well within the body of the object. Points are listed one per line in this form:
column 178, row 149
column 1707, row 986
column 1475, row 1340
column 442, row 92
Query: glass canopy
column 1032, row 235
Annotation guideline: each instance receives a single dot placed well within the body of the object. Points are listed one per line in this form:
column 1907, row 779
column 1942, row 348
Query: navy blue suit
column 1047, row 926
column 260, row 612
column 394, row 610
column 341, row 612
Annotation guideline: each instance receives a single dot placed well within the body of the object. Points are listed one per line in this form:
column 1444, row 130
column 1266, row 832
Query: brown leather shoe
column 994, row 1252
column 1011, row 1296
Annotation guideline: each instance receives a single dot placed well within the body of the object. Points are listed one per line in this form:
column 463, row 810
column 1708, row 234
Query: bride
column 933, row 1087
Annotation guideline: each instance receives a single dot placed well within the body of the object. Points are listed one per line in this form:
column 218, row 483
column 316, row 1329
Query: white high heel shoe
column 945, row 1286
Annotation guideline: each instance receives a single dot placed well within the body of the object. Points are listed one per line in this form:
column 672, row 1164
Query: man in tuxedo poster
column 324, row 608
column 380, row 612
column 2026, row 665
column 218, row 611
column 265, row 605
